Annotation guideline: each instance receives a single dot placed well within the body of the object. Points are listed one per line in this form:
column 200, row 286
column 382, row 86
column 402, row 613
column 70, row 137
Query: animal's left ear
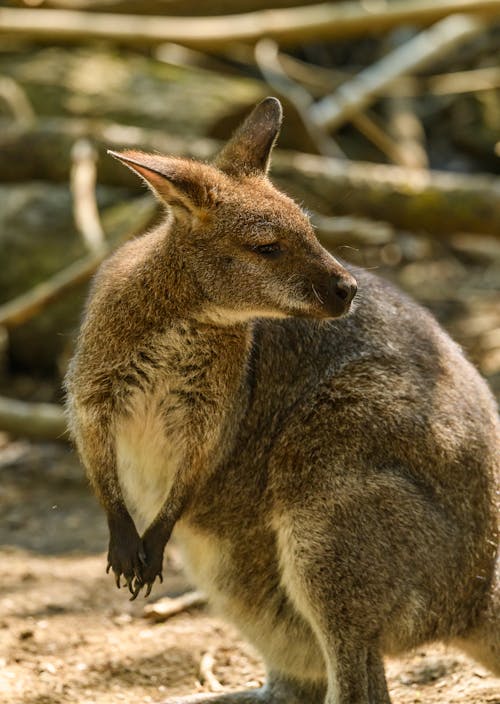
column 177, row 182
column 249, row 150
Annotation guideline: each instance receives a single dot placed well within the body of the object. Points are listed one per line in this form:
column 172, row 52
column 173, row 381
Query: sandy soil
column 67, row 635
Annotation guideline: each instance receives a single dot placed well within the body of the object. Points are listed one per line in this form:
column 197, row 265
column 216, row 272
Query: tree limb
column 356, row 94
column 289, row 26
column 83, row 183
column 166, row 607
column 28, row 304
column 436, row 201
column 17, row 101
column 439, row 202
column 206, row 673
column 34, row 420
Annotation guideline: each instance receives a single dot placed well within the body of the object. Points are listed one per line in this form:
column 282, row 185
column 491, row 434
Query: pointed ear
column 249, row 150
column 176, row 182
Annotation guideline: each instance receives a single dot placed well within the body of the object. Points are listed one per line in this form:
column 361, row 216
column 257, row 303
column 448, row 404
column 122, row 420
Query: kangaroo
column 323, row 453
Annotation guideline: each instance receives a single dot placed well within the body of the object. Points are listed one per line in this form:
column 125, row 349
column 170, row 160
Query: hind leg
column 278, row 690
column 355, row 673
column 377, row 684
column 340, row 601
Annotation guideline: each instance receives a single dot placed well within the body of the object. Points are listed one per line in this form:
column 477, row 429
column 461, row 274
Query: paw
column 126, row 556
column 153, row 541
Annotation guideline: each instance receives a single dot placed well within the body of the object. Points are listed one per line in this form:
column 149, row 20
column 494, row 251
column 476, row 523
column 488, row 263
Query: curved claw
column 137, row 586
column 148, row 590
column 118, row 580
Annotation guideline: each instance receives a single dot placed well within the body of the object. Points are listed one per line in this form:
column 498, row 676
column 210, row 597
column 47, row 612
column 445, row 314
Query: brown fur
column 332, row 479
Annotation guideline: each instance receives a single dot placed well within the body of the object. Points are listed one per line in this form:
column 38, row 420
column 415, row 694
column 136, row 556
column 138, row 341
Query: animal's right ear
column 249, row 150
column 177, row 182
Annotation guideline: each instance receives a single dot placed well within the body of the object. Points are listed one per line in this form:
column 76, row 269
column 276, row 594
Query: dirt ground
column 67, row 634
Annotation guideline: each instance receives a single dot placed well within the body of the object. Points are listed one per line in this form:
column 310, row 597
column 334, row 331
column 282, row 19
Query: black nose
column 341, row 290
column 345, row 289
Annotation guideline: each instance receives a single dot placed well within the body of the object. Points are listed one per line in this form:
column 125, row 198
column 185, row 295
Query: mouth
column 317, row 311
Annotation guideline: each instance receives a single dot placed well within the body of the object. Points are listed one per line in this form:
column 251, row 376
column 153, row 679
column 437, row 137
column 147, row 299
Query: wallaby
column 329, row 461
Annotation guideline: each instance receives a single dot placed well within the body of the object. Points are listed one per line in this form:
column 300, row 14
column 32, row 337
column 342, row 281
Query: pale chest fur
column 177, row 406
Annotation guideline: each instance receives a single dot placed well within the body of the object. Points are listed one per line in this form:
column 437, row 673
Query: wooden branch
column 34, row 420
column 44, row 151
column 348, row 229
column 17, row 100
column 206, row 673
column 439, row 202
column 408, row 132
column 267, row 59
column 167, row 607
column 368, row 126
column 353, row 96
column 30, row 303
column 291, row 26
column 478, row 79
column 83, row 183
column 404, row 123
column 272, row 65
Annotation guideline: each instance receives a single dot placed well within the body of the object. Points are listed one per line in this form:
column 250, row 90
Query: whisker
column 317, row 295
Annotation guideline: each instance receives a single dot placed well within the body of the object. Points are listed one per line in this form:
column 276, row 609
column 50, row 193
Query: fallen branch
column 478, row 79
column 291, row 26
column 167, row 607
column 44, row 151
column 272, row 65
column 83, row 183
column 17, row 101
column 267, row 59
column 438, row 202
column 206, row 673
column 30, row 303
column 347, row 229
column 356, row 94
column 405, row 125
column 34, row 420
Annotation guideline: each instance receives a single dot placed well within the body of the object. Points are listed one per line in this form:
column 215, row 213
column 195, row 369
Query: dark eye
column 268, row 250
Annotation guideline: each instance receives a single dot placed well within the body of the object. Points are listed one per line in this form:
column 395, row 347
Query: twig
column 206, row 673
column 408, row 132
column 464, row 81
column 35, row 420
column 83, row 182
column 437, row 201
column 28, row 304
column 166, row 607
column 405, row 125
column 271, row 64
column 356, row 94
column 367, row 125
column 333, row 230
column 266, row 57
column 44, row 150
column 17, row 100
column 291, row 26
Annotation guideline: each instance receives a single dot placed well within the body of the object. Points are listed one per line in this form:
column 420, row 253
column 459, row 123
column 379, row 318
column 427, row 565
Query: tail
column 483, row 642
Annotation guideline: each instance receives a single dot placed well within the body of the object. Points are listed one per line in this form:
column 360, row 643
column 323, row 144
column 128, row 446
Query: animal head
column 250, row 248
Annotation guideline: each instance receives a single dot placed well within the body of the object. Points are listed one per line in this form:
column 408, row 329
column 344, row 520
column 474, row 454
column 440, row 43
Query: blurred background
column 391, row 141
